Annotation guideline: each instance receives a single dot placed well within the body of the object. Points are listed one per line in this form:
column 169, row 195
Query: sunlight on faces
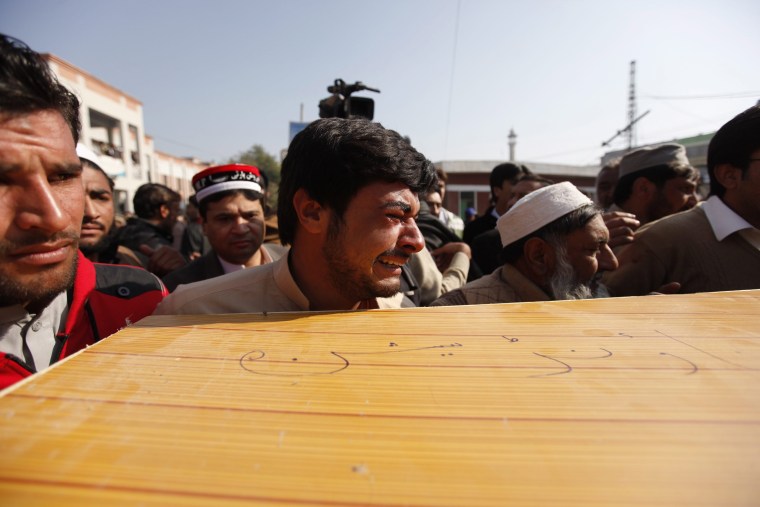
column 234, row 227
column 677, row 194
column 41, row 207
column 605, row 186
column 434, row 202
column 564, row 282
column 577, row 261
column 98, row 211
column 376, row 235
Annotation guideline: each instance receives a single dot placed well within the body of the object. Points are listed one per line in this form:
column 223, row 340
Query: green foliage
column 257, row 156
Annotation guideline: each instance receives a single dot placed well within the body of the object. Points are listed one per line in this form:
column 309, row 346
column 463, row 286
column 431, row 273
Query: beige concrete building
column 112, row 126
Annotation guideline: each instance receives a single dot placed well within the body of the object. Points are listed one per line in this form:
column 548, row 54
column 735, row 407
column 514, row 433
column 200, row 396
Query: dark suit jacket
column 486, row 251
column 141, row 232
column 208, row 266
column 482, row 224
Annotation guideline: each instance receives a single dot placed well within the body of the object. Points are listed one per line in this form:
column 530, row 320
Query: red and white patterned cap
column 226, row 177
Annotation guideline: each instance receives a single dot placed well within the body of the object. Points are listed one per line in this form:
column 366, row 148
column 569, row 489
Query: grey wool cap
column 670, row 154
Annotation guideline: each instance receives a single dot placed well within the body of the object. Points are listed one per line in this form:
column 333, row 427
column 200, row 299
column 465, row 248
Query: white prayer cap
column 87, row 154
column 539, row 208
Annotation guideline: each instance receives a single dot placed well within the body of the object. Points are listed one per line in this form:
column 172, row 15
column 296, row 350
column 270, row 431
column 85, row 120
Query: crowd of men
column 360, row 223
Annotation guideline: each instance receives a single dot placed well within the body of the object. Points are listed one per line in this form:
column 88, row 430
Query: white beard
column 564, row 284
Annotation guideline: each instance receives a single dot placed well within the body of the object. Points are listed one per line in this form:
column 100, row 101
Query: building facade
column 467, row 185
column 112, row 126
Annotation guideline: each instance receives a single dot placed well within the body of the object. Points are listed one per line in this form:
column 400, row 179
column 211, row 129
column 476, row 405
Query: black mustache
column 36, row 238
column 396, row 253
column 89, row 221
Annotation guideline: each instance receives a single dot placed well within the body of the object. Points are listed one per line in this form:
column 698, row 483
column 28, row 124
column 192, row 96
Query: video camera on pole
column 342, row 105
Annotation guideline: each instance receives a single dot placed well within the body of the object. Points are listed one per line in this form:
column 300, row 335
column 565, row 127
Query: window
column 106, row 134
column 466, row 200
column 134, row 151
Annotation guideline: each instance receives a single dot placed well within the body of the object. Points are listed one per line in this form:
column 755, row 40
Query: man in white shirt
column 348, row 199
column 716, row 245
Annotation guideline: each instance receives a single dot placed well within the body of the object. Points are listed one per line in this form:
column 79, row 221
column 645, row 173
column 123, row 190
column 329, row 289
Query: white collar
column 228, row 267
column 723, row 220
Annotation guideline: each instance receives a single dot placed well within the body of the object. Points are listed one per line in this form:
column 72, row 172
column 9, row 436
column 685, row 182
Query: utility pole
column 630, row 129
column 632, row 107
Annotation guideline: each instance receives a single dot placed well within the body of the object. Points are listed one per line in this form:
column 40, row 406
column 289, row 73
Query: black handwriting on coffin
column 260, row 363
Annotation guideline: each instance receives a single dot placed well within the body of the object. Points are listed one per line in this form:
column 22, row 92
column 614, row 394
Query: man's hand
column 163, row 260
column 444, row 254
column 622, row 226
column 668, row 288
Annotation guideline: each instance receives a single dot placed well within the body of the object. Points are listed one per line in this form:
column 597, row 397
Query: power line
column 563, row 153
column 736, row 95
column 184, row 145
column 632, row 119
column 451, row 79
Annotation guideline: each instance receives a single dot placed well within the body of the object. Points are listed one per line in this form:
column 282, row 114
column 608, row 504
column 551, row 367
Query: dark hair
column 218, row 196
column 441, row 174
column 612, row 165
column 96, row 167
column 333, row 158
column 658, row 175
column 554, row 232
column 150, row 197
column 27, row 85
column 734, row 144
column 506, row 172
column 537, row 178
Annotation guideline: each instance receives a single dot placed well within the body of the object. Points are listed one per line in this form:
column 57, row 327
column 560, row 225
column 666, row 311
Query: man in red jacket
column 53, row 301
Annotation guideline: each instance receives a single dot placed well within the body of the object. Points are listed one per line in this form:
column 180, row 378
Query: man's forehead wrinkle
column 57, row 166
column 23, row 126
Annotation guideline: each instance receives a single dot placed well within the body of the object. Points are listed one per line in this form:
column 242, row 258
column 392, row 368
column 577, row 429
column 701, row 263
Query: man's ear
column 539, row 257
column 311, row 215
column 643, row 187
column 728, row 176
column 164, row 211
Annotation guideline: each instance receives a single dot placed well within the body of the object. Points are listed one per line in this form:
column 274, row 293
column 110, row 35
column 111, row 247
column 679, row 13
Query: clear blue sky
column 217, row 77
